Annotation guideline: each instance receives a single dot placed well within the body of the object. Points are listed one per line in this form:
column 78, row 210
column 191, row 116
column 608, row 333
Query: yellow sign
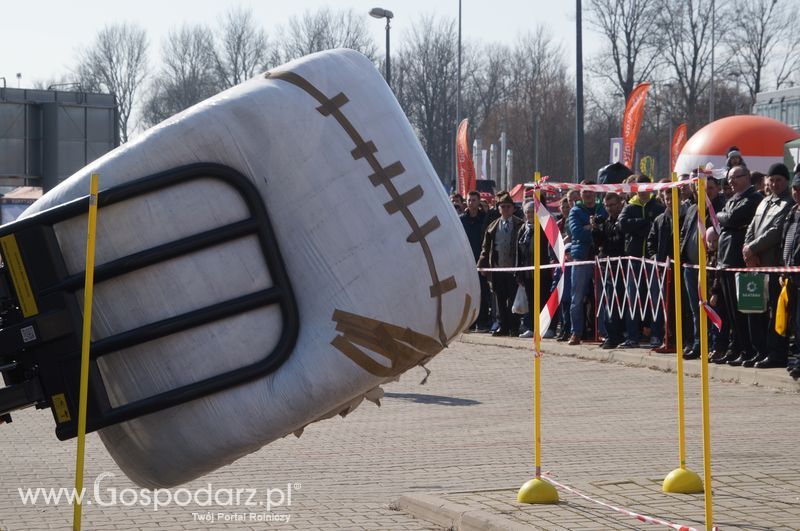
column 647, row 166
column 61, row 408
column 19, row 277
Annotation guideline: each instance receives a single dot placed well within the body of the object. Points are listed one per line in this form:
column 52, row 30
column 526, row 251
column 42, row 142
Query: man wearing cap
column 762, row 248
column 500, row 250
column 733, row 222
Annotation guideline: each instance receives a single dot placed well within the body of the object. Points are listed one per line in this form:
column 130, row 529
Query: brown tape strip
column 382, row 176
column 464, row 313
column 333, row 107
column 440, row 288
column 352, row 324
column 403, row 347
column 361, row 359
column 431, row 225
column 332, row 104
column 364, row 150
column 402, row 202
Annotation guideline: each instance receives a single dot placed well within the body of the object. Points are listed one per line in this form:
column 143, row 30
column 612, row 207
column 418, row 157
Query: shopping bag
column 782, row 310
column 752, row 295
column 520, row 306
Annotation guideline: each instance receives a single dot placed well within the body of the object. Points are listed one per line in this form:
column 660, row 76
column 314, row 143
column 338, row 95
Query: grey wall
column 45, row 136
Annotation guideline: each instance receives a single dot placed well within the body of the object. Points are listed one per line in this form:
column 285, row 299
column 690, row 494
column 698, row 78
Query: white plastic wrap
column 394, row 272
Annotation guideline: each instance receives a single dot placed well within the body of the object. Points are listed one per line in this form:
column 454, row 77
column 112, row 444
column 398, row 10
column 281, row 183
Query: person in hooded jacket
column 635, row 222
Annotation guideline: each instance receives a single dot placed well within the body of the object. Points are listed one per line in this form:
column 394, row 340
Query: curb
column 455, row 516
column 642, row 357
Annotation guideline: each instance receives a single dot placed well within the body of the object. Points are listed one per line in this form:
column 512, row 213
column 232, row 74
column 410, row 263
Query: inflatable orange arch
column 761, row 141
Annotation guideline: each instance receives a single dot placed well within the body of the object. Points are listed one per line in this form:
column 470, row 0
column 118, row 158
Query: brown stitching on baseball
column 403, row 201
column 382, row 176
column 329, row 107
column 332, row 104
column 431, row 225
column 402, row 347
column 440, row 288
column 364, row 150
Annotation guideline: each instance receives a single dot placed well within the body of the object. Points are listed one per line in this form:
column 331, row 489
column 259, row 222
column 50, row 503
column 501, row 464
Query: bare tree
column 242, row 49
column 541, row 100
column 488, row 80
column 325, row 29
column 685, row 29
column 629, row 27
column 425, row 85
column 116, row 62
column 188, row 74
column 764, row 36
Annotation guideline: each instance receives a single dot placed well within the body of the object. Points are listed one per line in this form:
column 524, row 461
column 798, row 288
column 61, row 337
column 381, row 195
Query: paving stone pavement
column 466, row 435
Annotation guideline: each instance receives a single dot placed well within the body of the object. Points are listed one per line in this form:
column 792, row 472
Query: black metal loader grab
column 41, row 320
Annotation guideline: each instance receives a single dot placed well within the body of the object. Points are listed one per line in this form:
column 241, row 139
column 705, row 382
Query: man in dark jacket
column 499, row 249
column 733, row 221
column 610, row 242
column 659, row 248
column 635, row 222
column 762, row 248
column 473, row 220
column 580, row 223
column 790, row 237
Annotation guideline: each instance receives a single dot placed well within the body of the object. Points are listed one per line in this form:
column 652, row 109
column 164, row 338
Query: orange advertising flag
column 632, row 122
column 678, row 141
column 466, row 171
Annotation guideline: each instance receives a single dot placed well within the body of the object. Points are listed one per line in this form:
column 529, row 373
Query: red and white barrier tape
column 621, row 188
column 556, row 242
column 712, row 315
column 628, row 512
column 569, row 264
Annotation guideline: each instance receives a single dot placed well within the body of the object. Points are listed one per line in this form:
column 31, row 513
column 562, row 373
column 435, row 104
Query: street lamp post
column 378, row 12
column 578, row 93
column 735, row 75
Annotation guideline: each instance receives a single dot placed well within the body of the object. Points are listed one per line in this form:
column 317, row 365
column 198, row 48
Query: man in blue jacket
column 580, row 221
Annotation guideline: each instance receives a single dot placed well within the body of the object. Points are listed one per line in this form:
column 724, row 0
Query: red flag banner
column 678, row 141
column 466, row 171
column 632, row 121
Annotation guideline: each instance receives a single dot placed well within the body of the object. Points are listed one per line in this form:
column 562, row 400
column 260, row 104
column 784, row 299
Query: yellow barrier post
column 537, row 490
column 681, row 480
column 701, row 212
column 85, row 342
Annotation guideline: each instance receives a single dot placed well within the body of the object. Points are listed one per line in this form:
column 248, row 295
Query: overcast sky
column 41, row 39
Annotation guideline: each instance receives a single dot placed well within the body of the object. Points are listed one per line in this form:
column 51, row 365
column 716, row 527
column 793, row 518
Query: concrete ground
column 453, row 452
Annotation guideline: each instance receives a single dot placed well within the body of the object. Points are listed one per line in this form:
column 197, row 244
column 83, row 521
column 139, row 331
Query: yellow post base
column 537, row 491
column 683, row 481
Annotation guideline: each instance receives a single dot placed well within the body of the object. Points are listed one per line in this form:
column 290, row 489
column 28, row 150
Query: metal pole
column 503, row 147
column 458, row 82
column 701, row 213
column 536, row 144
column 578, row 94
column 388, row 58
column 713, row 45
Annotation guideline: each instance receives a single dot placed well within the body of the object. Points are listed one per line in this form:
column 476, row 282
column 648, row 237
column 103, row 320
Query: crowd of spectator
column 758, row 219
